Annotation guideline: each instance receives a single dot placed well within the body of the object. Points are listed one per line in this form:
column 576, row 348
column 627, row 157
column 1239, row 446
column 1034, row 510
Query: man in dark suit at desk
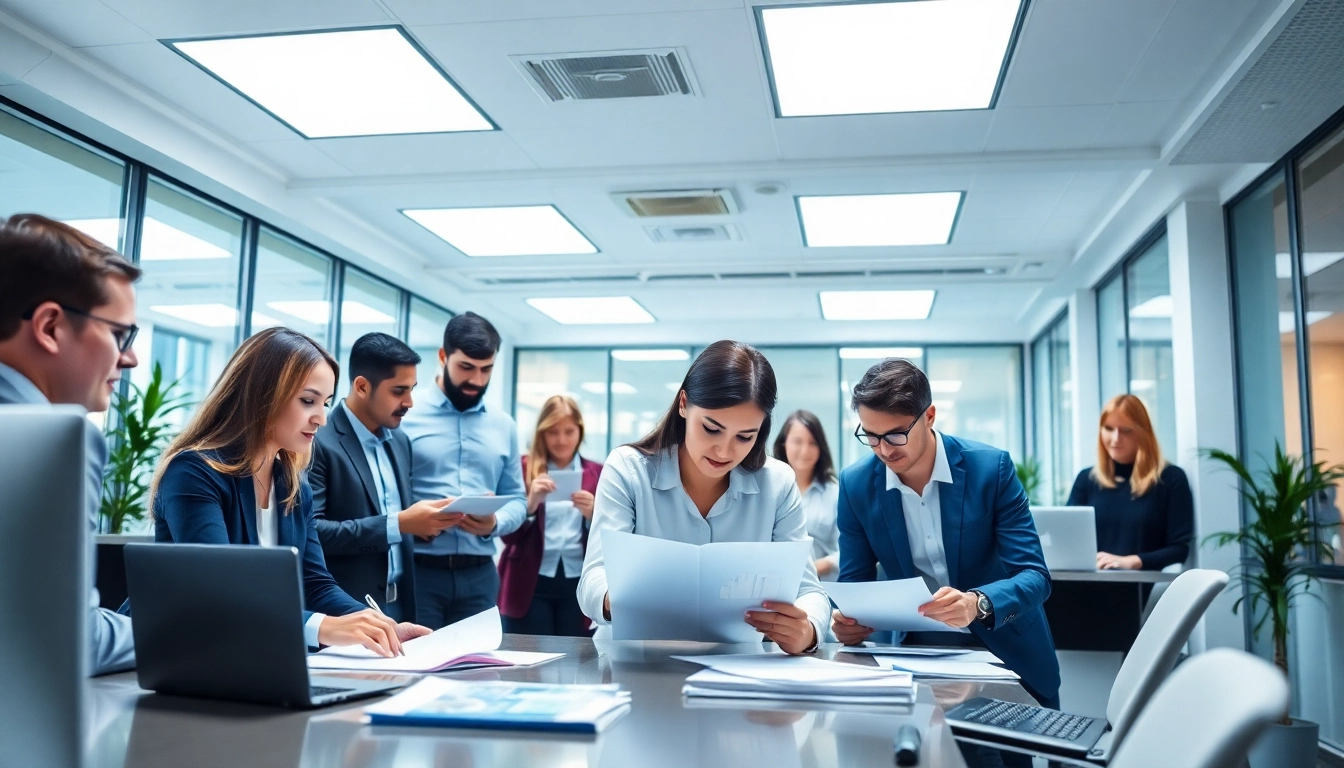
column 360, row 476
column 952, row 512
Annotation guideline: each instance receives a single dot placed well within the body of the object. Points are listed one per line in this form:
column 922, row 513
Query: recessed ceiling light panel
column 528, row 230
column 597, row 310
column 353, row 82
column 876, row 305
column 923, row 218
column 908, row 56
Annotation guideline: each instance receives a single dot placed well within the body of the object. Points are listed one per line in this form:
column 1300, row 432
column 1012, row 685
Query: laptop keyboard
column 315, row 691
column 1028, row 719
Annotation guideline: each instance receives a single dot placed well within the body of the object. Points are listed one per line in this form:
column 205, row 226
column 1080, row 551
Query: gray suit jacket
column 113, row 646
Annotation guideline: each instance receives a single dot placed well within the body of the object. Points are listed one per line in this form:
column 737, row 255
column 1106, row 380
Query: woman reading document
column 703, row 476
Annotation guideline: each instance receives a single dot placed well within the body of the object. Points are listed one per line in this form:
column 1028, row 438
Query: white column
column 1206, row 412
column 1085, row 371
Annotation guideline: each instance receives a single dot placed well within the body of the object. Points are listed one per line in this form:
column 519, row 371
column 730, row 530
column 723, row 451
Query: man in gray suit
column 67, row 314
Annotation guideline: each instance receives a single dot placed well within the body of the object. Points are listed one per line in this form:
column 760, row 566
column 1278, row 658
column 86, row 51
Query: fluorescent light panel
column 876, row 305
column 922, row 218
column 945, row 386
column 160, row 242
column 354, row 82
column 879, row 353
column 1312, row 262
column 595, row 310
column 530, row 230
column 865, row 58
column 318, row 312
column 650, row 355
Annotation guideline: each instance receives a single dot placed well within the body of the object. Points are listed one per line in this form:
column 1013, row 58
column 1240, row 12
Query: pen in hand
column 374, row 605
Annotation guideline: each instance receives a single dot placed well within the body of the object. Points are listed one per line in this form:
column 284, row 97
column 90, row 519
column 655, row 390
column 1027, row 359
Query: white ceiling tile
column 917, row 133
column 427, row 153
column 1002, row 235
column 1044, row 181
column 617, row 145
column 299, row 158
column 77, row 23
column 1003, row 204
column 1028, row 128
column 189, row 18
column 1141, row 124
column 1072, row 52
column 1191, row 46
column 439, row 12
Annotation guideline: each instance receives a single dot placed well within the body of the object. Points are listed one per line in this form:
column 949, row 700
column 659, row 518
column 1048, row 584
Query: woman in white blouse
column 702, row 476
column 801, row 443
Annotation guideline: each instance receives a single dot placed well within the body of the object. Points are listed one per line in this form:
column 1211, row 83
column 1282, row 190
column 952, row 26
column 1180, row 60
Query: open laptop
column 225, row 622
column 1068, row 537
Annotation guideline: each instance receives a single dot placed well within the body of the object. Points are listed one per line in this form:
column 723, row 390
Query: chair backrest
column 1208, row 713
column 1158, row 645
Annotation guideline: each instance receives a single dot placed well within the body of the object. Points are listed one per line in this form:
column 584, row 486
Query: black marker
column 907, row 745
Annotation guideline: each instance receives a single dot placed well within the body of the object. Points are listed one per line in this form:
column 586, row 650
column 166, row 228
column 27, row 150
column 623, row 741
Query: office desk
column 135, row 729
column 1099, row 610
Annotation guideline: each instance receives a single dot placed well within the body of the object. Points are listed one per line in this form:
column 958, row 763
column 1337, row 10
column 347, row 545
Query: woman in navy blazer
column 533, row 603
column 235, row 476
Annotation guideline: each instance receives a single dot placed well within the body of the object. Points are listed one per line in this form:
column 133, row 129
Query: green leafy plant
column 1278, row 542
column 144, row 431
column 1029, row 475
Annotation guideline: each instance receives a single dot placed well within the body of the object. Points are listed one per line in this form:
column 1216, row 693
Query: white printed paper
column 478, row 505
column 892, row 605
column 567, row 483
column 669, row 590
column 473, row 635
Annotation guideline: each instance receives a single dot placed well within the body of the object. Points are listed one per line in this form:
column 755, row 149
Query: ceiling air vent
column 608, row 75
column 677, row 202
column 694, row 233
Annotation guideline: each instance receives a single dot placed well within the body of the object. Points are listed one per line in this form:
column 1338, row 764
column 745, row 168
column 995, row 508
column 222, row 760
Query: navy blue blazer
column 991, row 545
column 197, row 505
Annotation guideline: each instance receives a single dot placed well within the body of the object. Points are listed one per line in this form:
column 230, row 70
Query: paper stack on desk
column 503, row 706
column 953, row 668
column 471, row 642
column 796, row 678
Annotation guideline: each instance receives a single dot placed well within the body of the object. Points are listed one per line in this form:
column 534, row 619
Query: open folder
column 668, row 590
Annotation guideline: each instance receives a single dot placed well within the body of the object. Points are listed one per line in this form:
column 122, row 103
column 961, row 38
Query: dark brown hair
column 235, row 420
column 44, row 260
column 726, row 374
column 824, row 471
column 893, row 386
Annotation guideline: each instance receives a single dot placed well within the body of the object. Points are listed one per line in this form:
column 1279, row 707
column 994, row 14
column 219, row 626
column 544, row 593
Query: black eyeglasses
column 122, row 333
column 895, row 437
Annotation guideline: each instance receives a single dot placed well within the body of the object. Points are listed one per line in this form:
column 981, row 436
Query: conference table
column 132, row 728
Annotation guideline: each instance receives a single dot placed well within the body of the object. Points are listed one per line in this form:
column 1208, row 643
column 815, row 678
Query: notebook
column 447, row 703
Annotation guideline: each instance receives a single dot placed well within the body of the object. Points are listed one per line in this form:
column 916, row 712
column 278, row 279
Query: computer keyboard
column 1028, row 719
column 315, row 691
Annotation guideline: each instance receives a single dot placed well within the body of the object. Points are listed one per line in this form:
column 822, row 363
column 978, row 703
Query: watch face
column 983, row 605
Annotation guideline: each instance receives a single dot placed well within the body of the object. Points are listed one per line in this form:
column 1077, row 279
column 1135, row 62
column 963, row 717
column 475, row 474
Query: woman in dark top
column 1145, row 514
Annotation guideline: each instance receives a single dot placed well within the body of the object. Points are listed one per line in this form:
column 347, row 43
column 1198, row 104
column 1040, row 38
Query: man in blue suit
column 952, row 512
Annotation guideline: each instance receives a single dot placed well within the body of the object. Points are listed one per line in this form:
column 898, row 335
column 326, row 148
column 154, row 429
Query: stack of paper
column 471, row 642
column 950, row 668
column 950, row 654
column 436, row 701
column 796, row 678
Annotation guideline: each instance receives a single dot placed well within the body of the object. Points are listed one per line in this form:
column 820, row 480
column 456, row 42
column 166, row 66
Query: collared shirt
column 465, row 453
column 385, row 489
column 563, row 541
column 644, row 495
column 924, row 521
column 819, row 505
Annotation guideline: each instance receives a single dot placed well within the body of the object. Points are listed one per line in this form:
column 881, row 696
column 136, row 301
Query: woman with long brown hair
column 801, row 443
column 539, row 568
column 1145, row 512
column 235, row 476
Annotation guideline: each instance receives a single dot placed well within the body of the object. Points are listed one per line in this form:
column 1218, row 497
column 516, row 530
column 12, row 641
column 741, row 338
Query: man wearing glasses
column 67, row 314
column 951, row 512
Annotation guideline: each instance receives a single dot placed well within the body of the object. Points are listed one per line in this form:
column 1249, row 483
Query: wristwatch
column 984, row 609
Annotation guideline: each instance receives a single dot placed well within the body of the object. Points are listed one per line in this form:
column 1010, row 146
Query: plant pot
column 1287, row 746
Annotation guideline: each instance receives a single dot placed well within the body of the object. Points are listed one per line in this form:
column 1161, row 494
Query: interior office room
column 1058, row 283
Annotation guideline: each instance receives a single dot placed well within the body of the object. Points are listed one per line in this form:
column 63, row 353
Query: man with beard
column 360, row 477
column 460, row 448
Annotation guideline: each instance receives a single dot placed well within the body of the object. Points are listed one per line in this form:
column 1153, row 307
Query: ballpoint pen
column 374, row 605
column 907, row 745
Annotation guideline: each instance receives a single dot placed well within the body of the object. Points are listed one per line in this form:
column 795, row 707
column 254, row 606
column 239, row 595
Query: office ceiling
column 1096, row 98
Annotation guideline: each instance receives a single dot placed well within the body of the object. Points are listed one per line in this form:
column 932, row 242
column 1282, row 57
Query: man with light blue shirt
column 67, row 322
column 460, row 448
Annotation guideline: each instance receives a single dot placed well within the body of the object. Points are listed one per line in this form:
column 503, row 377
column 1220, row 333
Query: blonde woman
column 1145, row 513
column 539, row 569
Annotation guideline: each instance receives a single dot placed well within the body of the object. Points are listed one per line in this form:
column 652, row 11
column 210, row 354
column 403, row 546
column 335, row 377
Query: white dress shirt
column 563, row 541
column 819, row 505
column 924, row 521
column 644, row 495
column 267, row 536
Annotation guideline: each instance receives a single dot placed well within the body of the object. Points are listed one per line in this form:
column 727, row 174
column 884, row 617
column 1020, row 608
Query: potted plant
column 1277, row 542
column 143, row 431
column 1029, row 475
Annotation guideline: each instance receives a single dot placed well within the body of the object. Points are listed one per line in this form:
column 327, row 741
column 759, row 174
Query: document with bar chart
column 668, row 590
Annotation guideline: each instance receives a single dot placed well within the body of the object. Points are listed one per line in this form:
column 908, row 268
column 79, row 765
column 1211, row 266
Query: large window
column 1052, row 400
column 1134, row 335
column 805, row 378
column 642, row 387
column 425, row 336
column 368, row 305
column 292, row 287
column 579, row 373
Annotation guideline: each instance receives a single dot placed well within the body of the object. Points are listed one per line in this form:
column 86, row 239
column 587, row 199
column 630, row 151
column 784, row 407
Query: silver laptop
column 44, row 585
column 225, row 621
column 1068, row 537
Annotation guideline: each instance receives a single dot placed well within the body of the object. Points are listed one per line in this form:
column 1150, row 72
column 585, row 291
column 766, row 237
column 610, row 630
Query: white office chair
column 1207, row 715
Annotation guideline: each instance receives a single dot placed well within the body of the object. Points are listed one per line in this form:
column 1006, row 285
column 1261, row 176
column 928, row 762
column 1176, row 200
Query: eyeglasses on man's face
column 896, row 437
column 122, row 333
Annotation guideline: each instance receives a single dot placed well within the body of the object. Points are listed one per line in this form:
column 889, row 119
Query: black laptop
column 226, row 622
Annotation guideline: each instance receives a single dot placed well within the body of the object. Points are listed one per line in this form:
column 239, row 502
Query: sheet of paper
column 892, row 605
column 478, row 505
column 567, row 483
column 779, row 666
column 951, row 669
column 886, row 653
column 475, row 634
column 668, row 590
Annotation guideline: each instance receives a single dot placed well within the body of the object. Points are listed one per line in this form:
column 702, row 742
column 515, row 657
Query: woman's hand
column 583, row 501
column 786, row 624
column 408, row 631
column 536, row 495
column 368, row 628
column 1108, row 562
column 847, row 630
